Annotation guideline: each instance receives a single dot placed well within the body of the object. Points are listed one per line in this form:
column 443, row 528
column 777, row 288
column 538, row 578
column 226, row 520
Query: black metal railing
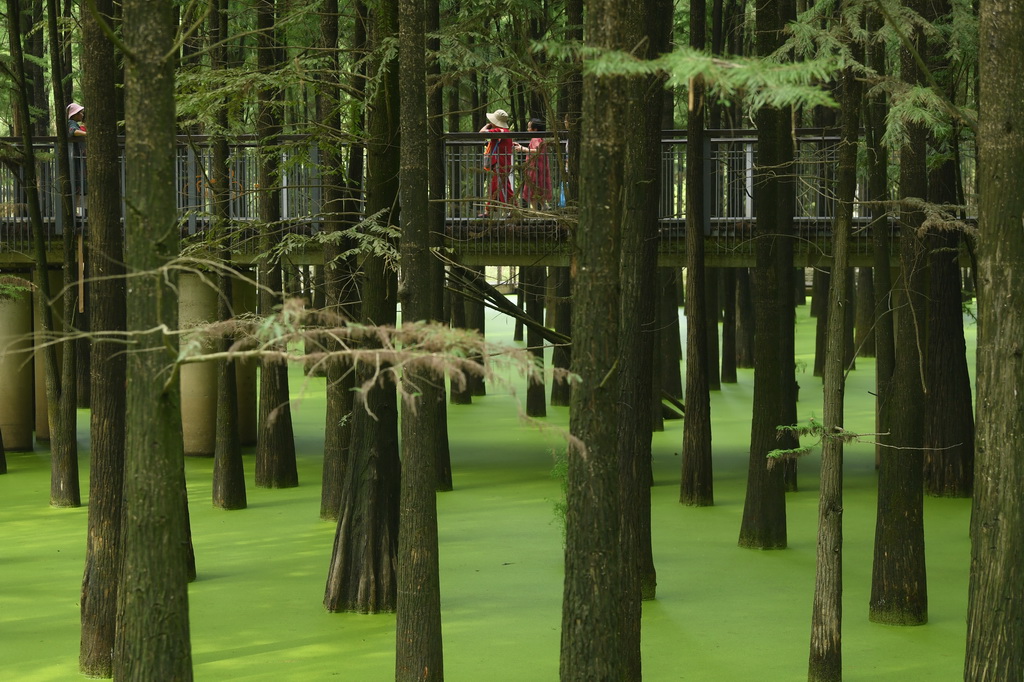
column 512, row 205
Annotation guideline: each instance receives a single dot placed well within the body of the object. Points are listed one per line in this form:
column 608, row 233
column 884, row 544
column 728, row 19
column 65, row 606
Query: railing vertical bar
column 191, row 180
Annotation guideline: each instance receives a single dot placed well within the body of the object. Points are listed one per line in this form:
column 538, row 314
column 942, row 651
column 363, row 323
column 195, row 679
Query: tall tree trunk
column 744, row 320
column 228, row 473
column 711, row 275
column 638, row 329
column 461, row 393
column 849, row 350
column 826, row 660
column 878, row 191
column 865, row 324
column 898, row 579
column 32, row 28
column 64, row 485
column 342, row 207
column 418, row 614
column 697, row 485
column 949, row 421
column 821, row 285
column 436, row 169
column 561, row 354
column 591, row 646
column 361, row 576
column 764, row 508
column 574, row 103
column 275, row 445
column 729, row 326
column 534, row 280
column 670, row 346
column 153, row 630
column 995, row 609
column 106, row 308
column 476, row 320
column 786, row 273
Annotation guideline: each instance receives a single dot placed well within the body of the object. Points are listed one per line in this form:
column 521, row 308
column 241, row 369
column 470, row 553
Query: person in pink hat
column 498, row 159
column 77, row 134
column 76, row 118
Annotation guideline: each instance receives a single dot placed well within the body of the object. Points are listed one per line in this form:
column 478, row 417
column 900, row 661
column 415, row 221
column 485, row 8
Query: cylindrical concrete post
column 16, row 415
column 197, row 307
column 57, row 308
column 244, row 298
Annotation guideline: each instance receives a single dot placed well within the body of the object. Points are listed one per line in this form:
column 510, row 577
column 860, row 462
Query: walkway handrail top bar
column 673, row 135
column 247, row 138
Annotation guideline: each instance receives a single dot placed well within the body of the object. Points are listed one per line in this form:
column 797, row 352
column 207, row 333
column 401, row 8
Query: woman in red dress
column 498, row 159
column 537, row 187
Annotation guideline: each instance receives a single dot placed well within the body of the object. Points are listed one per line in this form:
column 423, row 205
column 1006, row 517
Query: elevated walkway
column 518, row 236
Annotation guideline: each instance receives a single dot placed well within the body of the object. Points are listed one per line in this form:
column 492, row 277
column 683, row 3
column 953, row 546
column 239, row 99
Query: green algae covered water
column 722, row 613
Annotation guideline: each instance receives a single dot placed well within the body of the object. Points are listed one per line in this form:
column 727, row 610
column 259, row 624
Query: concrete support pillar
column 16, row 417
column 42, row 423
column 244, row 298
column 197, row 307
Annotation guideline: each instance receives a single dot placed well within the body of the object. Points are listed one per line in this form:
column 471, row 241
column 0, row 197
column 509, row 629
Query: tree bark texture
column 898, row 579
column 153, row 629
column 638, row 329
column 949, row 419
column 729, row 326
column 711, row 299
column 106, row 307
column 275, row 443
column 228, row 472
column 341, row 198
column 476, row 320
column 670, row 356
column 63, row 416
column 591, row 644
column 995, row 610
column 744, row 320
column 32, row 16
column 436, row 191
column 764, row 509
column 418, row 613
column 461, row 393
column 697, row 484
column 362, row 576
column 561, row 354
column 865, row 324
column 822, row 283
column 64, row 485
column 878, row 192
column 534, row 281
column 826, row 660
